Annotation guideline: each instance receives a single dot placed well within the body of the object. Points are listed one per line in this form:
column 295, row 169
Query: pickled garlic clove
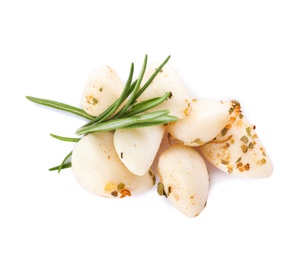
column 237, row 149
column 100, row 171
column 184, row 179
column 206, row 119
column 102, row 88
column 137, row 147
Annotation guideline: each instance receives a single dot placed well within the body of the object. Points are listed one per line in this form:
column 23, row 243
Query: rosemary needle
column 60, row 106
column 64, row 166
column 63, row 162
column 66, row 139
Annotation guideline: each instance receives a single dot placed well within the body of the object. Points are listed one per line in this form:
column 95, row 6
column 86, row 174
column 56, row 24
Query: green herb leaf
column 66, row 139
column 65, row 166
column 148, row 82
column 63, row 162
column 60, row 106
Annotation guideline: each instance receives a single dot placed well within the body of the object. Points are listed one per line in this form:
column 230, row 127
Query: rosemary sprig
column 132, row 114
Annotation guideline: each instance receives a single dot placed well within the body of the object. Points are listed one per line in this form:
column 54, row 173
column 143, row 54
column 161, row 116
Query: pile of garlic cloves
column 126, row 162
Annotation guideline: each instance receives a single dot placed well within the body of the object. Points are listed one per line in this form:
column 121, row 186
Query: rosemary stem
column 147, row 104
column 122, row 122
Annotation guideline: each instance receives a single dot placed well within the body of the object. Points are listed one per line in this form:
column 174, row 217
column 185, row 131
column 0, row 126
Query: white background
column 245, row 50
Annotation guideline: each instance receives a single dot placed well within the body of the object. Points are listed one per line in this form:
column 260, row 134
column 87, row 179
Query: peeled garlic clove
column 184, row 179
column 237, row 149
column 206, row 119
column 99, row 170
column 137, row 147
column 102, row 88
column 164, row 145
column 167, row 80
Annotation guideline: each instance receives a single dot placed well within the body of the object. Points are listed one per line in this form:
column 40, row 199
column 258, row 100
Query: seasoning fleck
column 121, row 186
column 251, row 145
column 235, row 106
column 225, row 162
column 238, row 160
column 262, row 161
column 244, row 148
column 244, row 139
column 124, row 193
column 114, row 193
column 161, row 189
column 262, row 150
column 246, row 166
column 197, row 141
column 95, row 101
column 230, row 169
column 169, row 190
column 225, row 129
column 110, row 186
column 238, row 165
